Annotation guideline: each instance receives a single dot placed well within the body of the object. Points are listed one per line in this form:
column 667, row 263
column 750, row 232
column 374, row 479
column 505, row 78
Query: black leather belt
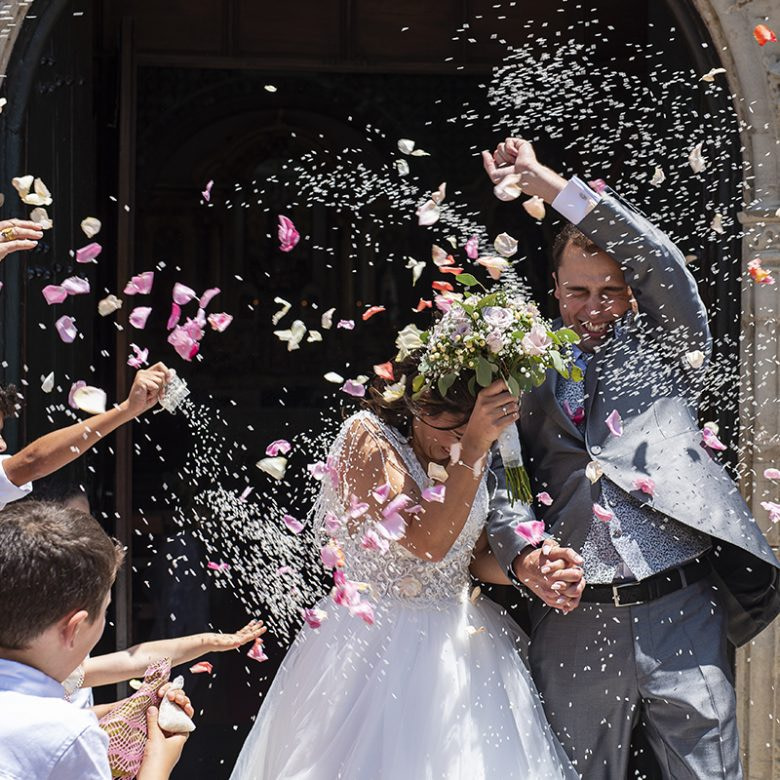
column 629, row 594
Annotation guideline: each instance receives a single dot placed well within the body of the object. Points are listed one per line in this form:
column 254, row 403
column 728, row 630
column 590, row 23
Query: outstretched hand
column 17, row 235
column 248, row 633
column 552, row 573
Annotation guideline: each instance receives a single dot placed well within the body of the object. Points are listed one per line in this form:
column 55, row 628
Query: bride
column 429, row 684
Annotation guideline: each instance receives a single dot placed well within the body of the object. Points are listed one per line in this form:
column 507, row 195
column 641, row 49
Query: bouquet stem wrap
column 517, row 482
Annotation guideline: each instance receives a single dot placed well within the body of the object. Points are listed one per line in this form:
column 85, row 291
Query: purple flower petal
column 614, row 423
column 66, row 327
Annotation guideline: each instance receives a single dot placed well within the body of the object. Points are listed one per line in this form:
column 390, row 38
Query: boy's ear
column 72, row 625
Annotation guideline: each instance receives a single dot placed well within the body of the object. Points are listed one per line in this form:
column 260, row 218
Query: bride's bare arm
column 484, row 565
column 372, row 461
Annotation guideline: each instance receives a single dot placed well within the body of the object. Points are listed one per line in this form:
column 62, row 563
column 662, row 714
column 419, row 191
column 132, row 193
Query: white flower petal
column 47, row 383
column 710, row 74
column 508, row 188
column 505, row 245
column 327, row 319
column 274, row 467
column 402, row 167
column 659, row 177
column 420, row 153
column 91, row 400
column 39, row 216
column 440, row 194
column 405, row 145
column 535, row 207
column 332, row 376
column 593, row 471
column 428, row 213
column 91, row 226
column 109, row 305
column 695, row 159
column 286, row 305
column 22, row 184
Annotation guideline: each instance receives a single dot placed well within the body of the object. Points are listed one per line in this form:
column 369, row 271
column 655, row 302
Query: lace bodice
column 398, row 574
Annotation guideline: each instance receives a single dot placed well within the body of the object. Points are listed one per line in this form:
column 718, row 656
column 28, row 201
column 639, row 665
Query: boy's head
column 57, row 566
column 10, row 403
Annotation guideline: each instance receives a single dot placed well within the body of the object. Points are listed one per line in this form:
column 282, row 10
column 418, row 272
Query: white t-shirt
column 41, row 735
column 8, row 491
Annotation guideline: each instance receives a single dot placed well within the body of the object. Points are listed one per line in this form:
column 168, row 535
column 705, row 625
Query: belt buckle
column 616, row 597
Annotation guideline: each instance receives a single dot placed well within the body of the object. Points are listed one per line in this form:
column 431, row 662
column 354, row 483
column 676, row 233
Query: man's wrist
column 539, row 180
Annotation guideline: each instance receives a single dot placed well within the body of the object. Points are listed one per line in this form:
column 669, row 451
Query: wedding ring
column 9, row 233
column 503, row 409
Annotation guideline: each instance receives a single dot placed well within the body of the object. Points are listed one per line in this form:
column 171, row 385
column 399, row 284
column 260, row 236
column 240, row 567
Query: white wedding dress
column 434, row 690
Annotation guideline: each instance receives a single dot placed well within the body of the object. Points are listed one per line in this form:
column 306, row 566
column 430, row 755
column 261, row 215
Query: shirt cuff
column 8, row 491
column 576, row 200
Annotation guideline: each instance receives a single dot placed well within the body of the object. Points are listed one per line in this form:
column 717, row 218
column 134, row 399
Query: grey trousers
column 601, row 669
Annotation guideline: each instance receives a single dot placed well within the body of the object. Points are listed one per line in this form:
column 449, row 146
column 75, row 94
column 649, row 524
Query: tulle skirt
column 437, row 692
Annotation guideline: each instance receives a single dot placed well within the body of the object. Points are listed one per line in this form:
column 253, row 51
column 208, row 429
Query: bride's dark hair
column 399, row 413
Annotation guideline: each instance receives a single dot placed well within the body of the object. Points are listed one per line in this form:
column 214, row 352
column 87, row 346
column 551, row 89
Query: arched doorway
column 199, row 111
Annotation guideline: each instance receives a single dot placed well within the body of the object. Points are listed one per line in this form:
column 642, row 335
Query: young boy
column 57, row 566
column 58, row 448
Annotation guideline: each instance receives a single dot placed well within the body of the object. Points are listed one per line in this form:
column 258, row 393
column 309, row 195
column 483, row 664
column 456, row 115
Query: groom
column 675, row 567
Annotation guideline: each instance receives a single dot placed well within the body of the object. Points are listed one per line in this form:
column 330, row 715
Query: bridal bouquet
column 496, row 335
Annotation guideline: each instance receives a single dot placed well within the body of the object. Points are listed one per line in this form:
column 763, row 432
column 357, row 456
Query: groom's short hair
column 570, row 235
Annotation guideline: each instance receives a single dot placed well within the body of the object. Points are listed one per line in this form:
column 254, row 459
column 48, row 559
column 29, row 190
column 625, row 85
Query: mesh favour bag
column 126, row 723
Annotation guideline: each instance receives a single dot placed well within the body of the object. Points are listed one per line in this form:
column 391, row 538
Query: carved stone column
column 11, row 17
column 754, row 78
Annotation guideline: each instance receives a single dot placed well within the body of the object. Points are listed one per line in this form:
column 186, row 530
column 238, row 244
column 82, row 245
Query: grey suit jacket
column 642, row 372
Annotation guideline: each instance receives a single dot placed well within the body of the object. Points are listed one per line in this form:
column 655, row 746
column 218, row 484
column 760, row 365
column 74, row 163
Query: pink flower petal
column 332, row 523
column 346, row 325
column 436, row 493
column 202, row 667
column 296, row 526
column 185, row 346
column 605, row 515
column 174, row 316
column 712, row 441
column 66, row 327
column 614, row 423
column 288, row 235
column 75, row 386
column 314, row 617
column 472, row 248
column 75, row 285
column 577, row 416
column 381, row 493
column 773, row 509
column 220, row 321
column 353, row 388
column 256, row 651
column 371, row 540
column 371, row 311
column 278, row 447
column 645, row 485
column 139, row 315
column 206, row 194
column 183, row 294
column 53, row 293
column 357, row 508
column 364, row 611
column 771, row 473
column 140, row 284
column 544, row 498
column 532, row 531
column 88, row 253
column 205, row 299
column 220, row 567
column 332, row 556
column 140, row 357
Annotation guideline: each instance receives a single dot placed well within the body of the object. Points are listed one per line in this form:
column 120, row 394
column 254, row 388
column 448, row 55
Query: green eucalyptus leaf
column 445, row 383
column 467, row 280
column 484, row 372
column 513, row 385
column 417, row 383
column 567, row 335
column 576, row 374
column 558, row 363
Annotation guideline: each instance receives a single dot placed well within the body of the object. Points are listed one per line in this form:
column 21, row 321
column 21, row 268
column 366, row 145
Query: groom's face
column 592, row 294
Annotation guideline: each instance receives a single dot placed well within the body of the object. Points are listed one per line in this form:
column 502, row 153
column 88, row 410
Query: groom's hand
column 552, row 573
column 516, row 157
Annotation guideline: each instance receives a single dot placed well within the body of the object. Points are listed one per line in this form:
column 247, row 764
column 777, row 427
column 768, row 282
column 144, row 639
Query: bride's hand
column 552, row 573
column 495, row 409
column 250, row 632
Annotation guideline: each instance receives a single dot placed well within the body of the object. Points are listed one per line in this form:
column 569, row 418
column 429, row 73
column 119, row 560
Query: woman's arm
column 372, row 462
column 133, row 662
column 58, row 448
column 484, row 565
